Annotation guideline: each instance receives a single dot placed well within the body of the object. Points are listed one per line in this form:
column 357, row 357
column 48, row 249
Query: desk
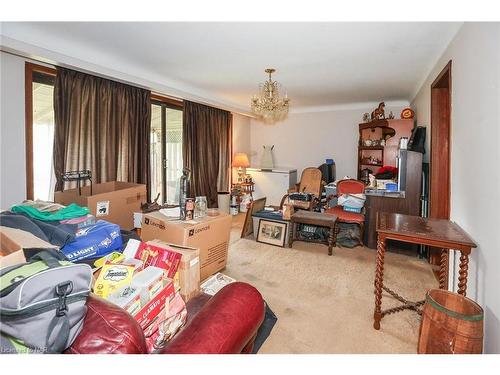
column 418, row 230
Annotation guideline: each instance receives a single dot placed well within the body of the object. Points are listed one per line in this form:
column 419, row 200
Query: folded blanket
column 51, row 232
column 69, row 212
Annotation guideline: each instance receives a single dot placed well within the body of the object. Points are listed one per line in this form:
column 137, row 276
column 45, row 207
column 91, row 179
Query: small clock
column 407, row 113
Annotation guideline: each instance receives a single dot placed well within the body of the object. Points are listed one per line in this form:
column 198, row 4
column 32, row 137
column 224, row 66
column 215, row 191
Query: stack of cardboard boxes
column 209, row 234
column 152, row 279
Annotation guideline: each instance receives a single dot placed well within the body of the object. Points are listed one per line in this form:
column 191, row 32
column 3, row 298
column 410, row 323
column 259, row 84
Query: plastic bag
column 352, row 200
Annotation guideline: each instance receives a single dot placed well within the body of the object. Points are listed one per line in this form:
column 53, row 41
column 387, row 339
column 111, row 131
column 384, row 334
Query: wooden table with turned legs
column 439, row 233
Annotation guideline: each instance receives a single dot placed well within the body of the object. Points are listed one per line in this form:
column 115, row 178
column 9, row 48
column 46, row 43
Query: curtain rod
column 153, row 91
column 77, row 69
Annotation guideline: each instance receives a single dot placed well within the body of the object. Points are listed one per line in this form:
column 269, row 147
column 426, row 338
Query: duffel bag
column 43, row 303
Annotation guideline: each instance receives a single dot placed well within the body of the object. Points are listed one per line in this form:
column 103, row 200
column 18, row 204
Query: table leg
column 462, row 273
column 443, row 269
column 331, row 239
column 379, row 282
column 292, row 234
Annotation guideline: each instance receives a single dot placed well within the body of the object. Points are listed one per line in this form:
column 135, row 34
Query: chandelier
column 268, row 105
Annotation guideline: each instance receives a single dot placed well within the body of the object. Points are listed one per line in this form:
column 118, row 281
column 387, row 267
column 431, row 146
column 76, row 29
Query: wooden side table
column 440, row 233
column 317, row 219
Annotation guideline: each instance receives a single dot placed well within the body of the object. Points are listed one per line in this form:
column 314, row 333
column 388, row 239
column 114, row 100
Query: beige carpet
column 324, row 304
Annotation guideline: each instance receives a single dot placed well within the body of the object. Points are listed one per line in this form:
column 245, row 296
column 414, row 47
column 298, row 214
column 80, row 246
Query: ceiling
column 318, row 64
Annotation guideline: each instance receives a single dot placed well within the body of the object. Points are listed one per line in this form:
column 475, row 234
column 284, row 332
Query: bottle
column 185, row 185
column 233, row 208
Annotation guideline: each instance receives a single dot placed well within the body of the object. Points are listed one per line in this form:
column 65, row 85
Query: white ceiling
column 319, row 64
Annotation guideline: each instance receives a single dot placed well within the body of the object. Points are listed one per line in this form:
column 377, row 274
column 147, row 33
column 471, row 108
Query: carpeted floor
column 324, row 304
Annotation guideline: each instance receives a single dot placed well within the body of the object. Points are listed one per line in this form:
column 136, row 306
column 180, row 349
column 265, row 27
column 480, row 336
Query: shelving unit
column 388, row 130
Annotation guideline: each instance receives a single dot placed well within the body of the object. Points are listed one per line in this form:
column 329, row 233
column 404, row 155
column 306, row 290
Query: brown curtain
column 103, row 126
column 207, row 149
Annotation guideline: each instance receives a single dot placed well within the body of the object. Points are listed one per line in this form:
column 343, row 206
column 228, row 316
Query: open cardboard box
column 189, row 268
column 14, row 243
column 113, row 201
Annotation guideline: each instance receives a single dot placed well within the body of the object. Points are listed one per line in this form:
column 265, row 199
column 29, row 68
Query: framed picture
column 256, row 206
column 272, row 232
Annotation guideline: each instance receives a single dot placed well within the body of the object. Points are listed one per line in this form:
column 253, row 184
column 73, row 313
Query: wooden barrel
column 451, row 324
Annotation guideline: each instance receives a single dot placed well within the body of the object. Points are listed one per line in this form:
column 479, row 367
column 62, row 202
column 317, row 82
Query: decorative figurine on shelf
column 366, row 117
column 407, row 113
column 379, row 113
column 391, row 116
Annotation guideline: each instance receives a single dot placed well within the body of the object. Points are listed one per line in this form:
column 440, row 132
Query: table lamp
column 240, row 161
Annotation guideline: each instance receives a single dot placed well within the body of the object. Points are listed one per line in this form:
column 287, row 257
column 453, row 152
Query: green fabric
column 453, row 314
column 22, row 272
column 18, row 345
column 69, row 212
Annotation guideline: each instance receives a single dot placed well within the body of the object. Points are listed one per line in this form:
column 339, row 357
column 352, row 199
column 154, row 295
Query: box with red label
column 152, row 309
column 152, row 255
column 188, row 274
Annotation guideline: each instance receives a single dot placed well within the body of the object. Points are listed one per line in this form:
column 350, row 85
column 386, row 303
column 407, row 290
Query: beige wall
column 12, row 141
column 241, row 133
column 307, row 139
column 475, row 156
column 241, row 138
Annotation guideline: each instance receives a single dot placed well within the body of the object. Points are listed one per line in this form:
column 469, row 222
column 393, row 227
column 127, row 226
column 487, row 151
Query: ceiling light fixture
column 268, row 105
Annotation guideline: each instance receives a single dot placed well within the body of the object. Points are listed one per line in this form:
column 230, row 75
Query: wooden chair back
column 310, row 181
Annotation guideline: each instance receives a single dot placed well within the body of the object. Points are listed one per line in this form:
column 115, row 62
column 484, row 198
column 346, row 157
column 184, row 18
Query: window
column 40, row 178
column 166, row 150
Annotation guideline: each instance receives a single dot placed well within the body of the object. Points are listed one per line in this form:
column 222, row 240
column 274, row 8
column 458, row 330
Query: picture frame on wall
column 272, row 232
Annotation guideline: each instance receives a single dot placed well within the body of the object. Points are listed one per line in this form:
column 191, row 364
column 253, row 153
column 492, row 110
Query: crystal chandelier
column 268, row 105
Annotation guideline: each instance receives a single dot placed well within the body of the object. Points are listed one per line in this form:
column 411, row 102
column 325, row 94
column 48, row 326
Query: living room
column 266, row 187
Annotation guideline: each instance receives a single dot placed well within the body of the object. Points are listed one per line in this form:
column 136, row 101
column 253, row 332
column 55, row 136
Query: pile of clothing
column 71, row 229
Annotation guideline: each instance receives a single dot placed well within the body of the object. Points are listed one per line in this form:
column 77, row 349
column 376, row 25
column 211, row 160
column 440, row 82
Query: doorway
column 440, row 153
column 166, row 151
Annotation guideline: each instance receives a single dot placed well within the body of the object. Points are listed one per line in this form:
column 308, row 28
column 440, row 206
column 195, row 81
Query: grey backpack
column 43, row 303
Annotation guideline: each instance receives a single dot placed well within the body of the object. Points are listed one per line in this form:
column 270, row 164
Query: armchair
column 350, row 186
column 310, row 182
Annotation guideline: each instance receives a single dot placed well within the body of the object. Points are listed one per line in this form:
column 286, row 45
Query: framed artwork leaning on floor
column 272, row 232
column 256, row 206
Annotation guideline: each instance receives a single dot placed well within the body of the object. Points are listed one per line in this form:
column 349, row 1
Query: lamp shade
column 240, row 160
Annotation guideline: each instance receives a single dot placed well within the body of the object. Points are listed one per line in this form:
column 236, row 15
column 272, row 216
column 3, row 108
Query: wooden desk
column 418, row 230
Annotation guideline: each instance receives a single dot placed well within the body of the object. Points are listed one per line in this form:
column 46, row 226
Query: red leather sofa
column 224, row 324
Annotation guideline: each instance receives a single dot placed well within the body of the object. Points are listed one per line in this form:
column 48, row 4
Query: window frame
column 29, row 70
column 165, row 102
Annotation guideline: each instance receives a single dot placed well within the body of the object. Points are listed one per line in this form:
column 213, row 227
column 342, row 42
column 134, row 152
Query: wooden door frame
column 440, row 152
column 441, row 209
column 29, row 69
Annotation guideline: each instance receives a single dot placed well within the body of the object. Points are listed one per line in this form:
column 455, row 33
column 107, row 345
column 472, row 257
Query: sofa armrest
column 108, row 329
column 226, row 324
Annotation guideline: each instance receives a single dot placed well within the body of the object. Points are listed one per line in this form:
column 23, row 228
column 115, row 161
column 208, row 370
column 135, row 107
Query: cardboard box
column 189, row 268
column 152, row 309
column 113, row 201
column 210, row 234
column 12, row 243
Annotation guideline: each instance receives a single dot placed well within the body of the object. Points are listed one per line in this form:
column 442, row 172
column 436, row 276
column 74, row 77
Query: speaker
column 417, row 139
column 328, row 172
